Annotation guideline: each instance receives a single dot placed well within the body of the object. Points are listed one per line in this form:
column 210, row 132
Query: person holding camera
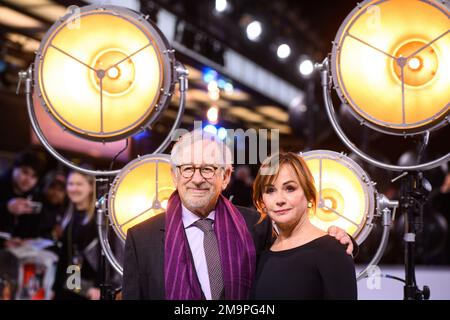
column 19, row 210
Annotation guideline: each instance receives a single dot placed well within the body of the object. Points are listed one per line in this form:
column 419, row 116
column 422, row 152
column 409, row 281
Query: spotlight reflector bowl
column 104, row 73
column 141, row 190
column 345, row 194
column 382, row 42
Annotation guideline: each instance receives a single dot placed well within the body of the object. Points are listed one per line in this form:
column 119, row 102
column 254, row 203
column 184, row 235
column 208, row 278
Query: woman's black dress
column 320, row 269
column 79, row 247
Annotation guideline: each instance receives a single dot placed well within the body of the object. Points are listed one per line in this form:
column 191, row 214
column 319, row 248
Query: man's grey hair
column 223, row 156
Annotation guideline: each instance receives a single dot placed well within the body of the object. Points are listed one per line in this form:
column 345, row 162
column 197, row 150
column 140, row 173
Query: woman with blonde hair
column 303, row 262
column 79, row 240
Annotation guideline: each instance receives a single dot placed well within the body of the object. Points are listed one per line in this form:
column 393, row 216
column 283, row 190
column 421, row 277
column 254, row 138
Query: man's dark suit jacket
column 143, row 272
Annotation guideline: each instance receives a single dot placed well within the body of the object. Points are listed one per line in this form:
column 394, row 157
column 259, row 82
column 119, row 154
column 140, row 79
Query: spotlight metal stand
column 412, row 190
column 106, row 292
column 386, row 210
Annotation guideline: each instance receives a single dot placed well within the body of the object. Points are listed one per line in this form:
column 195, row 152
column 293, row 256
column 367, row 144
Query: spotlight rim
column 366, row 224
column 166, row 61
column 435, row 122
column 149, row 158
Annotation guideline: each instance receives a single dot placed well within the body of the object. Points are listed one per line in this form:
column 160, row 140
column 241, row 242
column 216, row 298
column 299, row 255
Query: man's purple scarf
column 237, row 253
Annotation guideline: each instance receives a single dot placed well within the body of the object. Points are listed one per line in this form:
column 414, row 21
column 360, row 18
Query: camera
column 36, row 206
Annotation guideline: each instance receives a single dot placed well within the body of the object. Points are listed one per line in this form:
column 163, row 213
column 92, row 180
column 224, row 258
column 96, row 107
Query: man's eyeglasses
column 188, row 170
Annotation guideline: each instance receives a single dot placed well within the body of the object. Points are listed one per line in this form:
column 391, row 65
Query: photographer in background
column 19, row 210
column 54, row 203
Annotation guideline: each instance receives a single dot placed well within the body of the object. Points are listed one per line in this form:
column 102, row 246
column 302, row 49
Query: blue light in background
column 222, row 133
column 210, row 128
column 209, row 75
column 212, row 75
column 3, row 66
column 228, row 87
column 221, row 83
column 141, row 135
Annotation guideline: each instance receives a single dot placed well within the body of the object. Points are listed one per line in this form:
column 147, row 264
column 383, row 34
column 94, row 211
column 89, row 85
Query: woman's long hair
column 90, row 212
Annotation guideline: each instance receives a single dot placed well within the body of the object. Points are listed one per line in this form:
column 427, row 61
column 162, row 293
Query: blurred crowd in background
column 47, row 223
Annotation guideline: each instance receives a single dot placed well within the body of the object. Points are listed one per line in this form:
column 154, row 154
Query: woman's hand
column 93, row 293
column 342, row 237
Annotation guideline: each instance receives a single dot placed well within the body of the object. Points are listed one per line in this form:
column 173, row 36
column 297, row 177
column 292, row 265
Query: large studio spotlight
column 346, row 198
column 140, row 191
column 101, row 84
column 389, row 58
column 393, row 74
column 390, row 65
column 104, row 73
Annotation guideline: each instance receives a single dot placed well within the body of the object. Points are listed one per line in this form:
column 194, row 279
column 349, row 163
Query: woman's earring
column 310, row 205
column 275, row 227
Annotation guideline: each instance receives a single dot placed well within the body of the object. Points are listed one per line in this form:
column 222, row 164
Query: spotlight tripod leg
column 106, row 292
column 105, row 286
column 412, row 200
column 410, row 289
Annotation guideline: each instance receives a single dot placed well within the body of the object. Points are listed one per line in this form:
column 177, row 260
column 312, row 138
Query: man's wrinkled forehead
column 201, row 152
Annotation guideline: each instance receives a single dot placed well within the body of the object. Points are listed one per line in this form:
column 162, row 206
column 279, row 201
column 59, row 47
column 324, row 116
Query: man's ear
column 226, row 178
column 174, row 177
